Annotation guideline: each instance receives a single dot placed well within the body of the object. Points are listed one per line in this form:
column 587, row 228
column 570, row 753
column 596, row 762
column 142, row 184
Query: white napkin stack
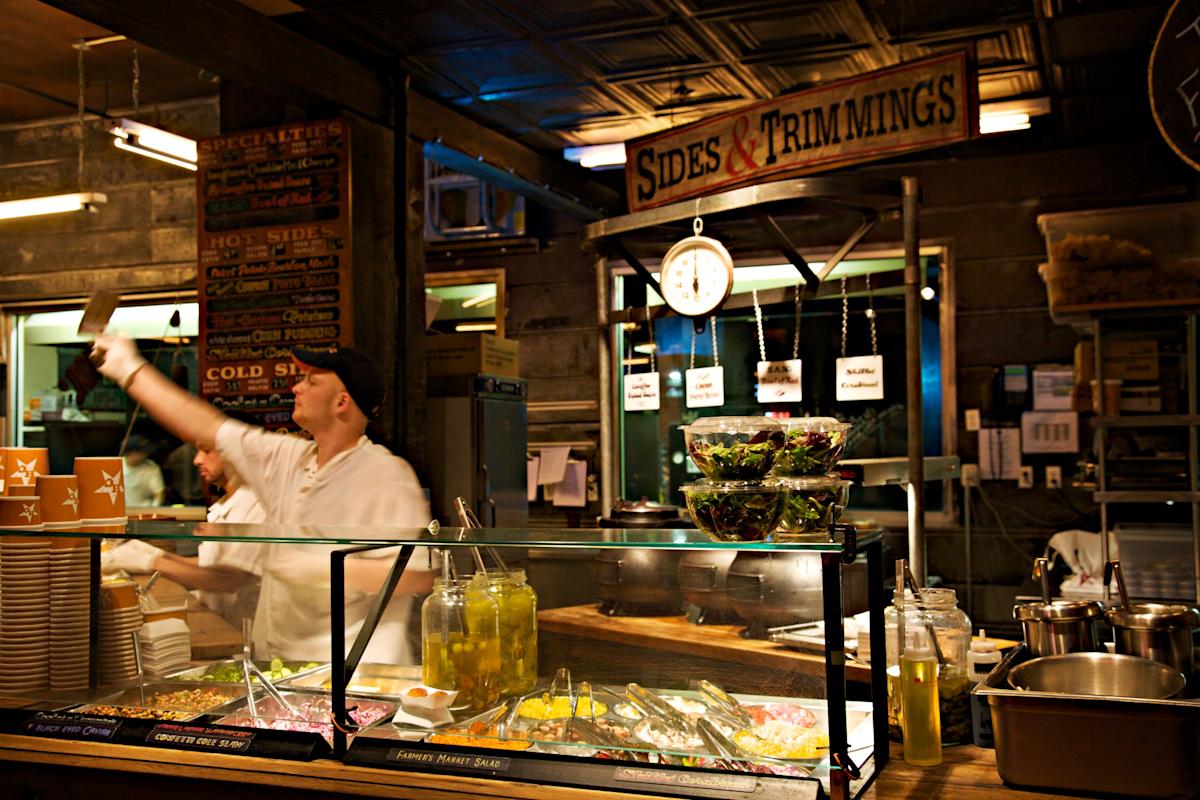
column 166, row 647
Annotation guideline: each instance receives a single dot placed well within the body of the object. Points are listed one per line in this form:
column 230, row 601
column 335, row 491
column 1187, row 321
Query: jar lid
column 937, row 597
column 732, row 425
column 708, row 485
column 1058, row 611
column 1153, row 616
column 815, row 424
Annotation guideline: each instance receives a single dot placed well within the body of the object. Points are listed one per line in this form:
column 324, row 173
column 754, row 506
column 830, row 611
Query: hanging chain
column 653, row 347
column 137, row 82
column 871, row 317
column 762, row 345
column 845, row 315
column 796, row 335
column 628, row 355
column 692, row 363
column 697, row 223
column 79, row 115
column 716, row 355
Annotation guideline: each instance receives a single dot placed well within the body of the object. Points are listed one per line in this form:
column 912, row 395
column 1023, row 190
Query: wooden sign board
column 1175, row 80
column 274, row 259
column 916, row 105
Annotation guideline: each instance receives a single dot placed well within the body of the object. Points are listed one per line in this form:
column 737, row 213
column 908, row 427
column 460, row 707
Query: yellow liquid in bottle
column 920, row 718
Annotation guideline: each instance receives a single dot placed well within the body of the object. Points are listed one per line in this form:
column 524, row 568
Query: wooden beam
column 236, row 43
column 429, row 121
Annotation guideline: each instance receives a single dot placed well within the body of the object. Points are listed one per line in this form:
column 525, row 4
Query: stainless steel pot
column 703, row 578
column 639, row 582
column 1063, row 626
column 643, row 514
column 773, row 589
column 1156, row 631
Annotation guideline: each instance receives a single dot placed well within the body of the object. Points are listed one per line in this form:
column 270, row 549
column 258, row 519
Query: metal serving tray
column 132, row 698
column 1081, row 743
column 385, row 681
column 272, row 716
column 204, row 674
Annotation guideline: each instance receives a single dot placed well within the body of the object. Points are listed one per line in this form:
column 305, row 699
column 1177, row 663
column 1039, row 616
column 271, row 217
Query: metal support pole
column 912, row 343
column 835, row 674
column 608, row 469
column 1101, row 444
column 1193, row 445
column 878, row 635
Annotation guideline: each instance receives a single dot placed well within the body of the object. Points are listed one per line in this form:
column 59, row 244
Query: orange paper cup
column 101, row 489
column 60, row 500
column 22, row 490
column 20, row 513
column 174, row 612
column 120, row 594
column 23, row 464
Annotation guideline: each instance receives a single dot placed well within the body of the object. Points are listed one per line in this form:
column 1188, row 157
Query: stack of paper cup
column 69, row 609
column 22, row 465
column 24, row 623
column 120, row 617
column 59, row 500
column 101, row 489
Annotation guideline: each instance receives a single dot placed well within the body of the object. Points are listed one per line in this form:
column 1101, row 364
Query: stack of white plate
column 69, row 609
column 24, row 620
column 166, row 647
column 115, row 657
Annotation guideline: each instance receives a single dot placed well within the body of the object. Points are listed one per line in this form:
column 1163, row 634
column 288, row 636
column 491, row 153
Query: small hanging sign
column 860, row 378
column 779, row 381
column 641, row 392
column 705, row 387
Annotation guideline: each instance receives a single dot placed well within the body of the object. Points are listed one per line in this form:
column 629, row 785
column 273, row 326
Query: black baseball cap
column 358, row 372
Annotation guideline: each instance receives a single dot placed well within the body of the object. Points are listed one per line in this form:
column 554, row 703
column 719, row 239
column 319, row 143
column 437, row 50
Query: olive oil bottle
column 920, row 718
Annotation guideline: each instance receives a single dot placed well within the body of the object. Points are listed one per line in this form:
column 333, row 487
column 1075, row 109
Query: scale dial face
column 696, row 276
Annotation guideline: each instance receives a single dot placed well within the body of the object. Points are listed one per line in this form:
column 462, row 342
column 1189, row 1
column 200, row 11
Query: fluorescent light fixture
column 596, row 155
column 54, row 204
column 468, row 327
column 479, row 300
column 146, row 140
column 647, row 348
column 1011, row 115
column 635, row 362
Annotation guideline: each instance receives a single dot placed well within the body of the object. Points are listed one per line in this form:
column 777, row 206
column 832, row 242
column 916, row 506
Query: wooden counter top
column 54, row 768
column 676, row 635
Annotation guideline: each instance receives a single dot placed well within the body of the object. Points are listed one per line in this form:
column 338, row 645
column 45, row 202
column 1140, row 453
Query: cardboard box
column 472, row 354
column 1052, row 387
column 1127, row 359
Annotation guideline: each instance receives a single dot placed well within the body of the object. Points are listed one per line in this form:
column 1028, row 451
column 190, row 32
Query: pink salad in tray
column 315, row 713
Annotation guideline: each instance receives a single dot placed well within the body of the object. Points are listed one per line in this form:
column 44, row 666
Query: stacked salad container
column 816, row 497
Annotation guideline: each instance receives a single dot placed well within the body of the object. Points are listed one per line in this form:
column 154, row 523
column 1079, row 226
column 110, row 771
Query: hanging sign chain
column 716, row 355
column 762, row 345
column 137, row 81
column 650, row 328
column 845, row 315
column 697, row 223
column 628, row 353
column 692, row 363
column 871, row 317
column 796, row 335
column 79, row 116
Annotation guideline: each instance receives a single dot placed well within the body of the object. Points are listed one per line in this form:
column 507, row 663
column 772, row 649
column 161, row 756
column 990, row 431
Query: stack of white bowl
column 24, row 621
column 166, row 647
column 120, row 618
column 69, row 609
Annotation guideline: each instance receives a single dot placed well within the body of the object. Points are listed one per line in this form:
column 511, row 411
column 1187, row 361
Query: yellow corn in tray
column 537, row 708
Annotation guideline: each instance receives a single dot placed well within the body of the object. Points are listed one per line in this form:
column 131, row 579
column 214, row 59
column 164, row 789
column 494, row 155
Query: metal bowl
column 1098, row 674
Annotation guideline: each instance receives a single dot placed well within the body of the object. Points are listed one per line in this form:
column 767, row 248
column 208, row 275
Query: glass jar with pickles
column 517, row 603
column 460, row 642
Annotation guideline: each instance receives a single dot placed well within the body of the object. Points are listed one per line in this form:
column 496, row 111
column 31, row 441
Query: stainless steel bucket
column 1060, row 627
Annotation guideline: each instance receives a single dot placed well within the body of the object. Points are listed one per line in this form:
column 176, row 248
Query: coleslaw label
column 194, row 737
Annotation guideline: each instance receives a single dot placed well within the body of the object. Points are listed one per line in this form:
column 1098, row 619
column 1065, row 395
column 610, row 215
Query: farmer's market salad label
column 642, row 392
column 860, row 378
column 705, row 387
column 196, row 737
column 779, row 381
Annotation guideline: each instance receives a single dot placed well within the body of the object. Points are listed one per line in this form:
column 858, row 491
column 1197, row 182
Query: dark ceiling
column 590, row 71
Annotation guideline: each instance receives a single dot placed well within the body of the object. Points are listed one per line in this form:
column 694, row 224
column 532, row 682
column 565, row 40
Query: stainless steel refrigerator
column 478, row 430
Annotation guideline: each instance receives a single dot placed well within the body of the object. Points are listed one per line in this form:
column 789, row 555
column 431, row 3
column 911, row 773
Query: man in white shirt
column 337, row 478
column 144, row 487
column 224, row 574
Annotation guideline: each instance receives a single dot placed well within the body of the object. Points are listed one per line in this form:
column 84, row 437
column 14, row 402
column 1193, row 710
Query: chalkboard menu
column 1175, row 80
column 274, row 259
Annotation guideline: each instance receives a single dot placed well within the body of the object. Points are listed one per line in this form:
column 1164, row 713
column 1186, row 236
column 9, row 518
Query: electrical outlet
column 970, row 475
column 1053, row 477
column 971, row 417
column 1025, row 477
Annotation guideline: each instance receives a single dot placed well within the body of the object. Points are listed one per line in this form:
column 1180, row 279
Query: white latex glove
column 134, row 557
column 117, row 358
